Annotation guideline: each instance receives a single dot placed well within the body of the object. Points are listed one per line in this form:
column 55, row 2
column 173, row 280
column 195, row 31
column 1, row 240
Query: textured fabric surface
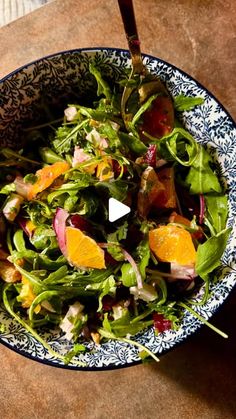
column 13, row 9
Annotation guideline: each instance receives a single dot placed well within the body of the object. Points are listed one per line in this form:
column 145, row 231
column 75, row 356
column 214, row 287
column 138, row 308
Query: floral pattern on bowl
column 65, row 76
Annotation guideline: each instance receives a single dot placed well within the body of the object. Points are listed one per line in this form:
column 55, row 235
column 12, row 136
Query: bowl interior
column 30, row 93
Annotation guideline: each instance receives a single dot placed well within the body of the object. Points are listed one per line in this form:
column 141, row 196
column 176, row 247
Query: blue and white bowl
column 64, row 77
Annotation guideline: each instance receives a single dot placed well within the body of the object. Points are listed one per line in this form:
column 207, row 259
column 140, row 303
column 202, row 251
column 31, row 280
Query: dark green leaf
column 216, row 211
column 210, row 252
column 67, row 136
column 185, row 103
column 30, row 178
column 107, row 131
column 178, row 146
column 103, row 87
column 117, row 188
column 103, row 288
column 43, row 238
column 201, row 177
column 114, row 239
column 133, row 143
column 7, row 189
column 49, row 156
column 143, row 252
column 128, row 276
column 143, row 109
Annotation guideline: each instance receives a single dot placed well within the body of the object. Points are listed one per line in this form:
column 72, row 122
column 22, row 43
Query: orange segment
column 177, row 218
column 46, row 176
column 166, row 176
column 172, row 244
column 27, row 295
column 104, row 169
column 83, row 251
column 151, row 190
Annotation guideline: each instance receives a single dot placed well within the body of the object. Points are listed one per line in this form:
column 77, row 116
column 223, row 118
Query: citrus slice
column 83, row 251
column 172, row 244
column 46, row 176
column 27, row 295
column 151, row 190
column 104, row 169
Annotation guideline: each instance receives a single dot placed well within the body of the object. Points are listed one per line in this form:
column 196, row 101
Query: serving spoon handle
column 129, row 22
column 149, row 84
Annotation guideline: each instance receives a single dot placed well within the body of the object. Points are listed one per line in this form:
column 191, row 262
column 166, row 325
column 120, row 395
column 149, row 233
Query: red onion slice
column 202, row 208
column 178, row 272
column 59, row 225
column 151, row 156
column 129, row 259
column 186, row 272
column 22, row 188
column 23, row 223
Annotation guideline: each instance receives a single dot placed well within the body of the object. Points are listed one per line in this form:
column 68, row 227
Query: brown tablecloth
column 197, row 379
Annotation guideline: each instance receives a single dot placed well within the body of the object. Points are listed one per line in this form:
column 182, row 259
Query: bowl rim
column 121, row 50
column 212, row 96
column 116, row 367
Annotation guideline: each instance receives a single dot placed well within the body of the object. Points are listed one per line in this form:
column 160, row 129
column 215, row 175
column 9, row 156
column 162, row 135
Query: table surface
column 12, row 9
column 197, row 379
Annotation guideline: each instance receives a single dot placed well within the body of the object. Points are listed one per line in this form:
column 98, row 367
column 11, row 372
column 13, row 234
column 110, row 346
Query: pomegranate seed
column 160, row 323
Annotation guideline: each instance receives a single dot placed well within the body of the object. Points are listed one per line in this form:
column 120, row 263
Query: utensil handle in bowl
column 129, row 22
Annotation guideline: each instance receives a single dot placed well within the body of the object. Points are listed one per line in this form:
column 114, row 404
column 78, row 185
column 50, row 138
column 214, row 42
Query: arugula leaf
column 105, row 287
column 43, row 238
column 103, row 87
column 80, row 278
column 117, row 188
column 107, row 131
column 35, row 281
column 201, row 177
column 143, row 252
column 49, row 156
column 71, row 188
column 210, row 252
column 77, row 349
column 66, row 137
column 30, row 178
column 42, row 260
column 128, row 276
column 122, row 329
column 42, row 296
column 38, row 211
column 216, row 211
column 96, row 114
column 56, row 275
column 119, row 234
column 8, row 153
column 179, row 145
column 9, row 307
column 70, row 203
column 186, row 103
column 114, row 240
column 7, row 189
column 133, row 143
column 143, row 109
column 88, row 203
column 124, row 326
column 106, row 324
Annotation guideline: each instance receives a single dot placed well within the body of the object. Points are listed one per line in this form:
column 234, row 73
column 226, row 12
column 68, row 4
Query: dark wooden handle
column 128, row 18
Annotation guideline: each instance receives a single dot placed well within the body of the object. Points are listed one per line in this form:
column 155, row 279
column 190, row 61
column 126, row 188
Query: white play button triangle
column 116, row 209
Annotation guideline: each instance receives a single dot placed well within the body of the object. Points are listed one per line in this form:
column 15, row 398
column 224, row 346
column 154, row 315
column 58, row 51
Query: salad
column 64, row 265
